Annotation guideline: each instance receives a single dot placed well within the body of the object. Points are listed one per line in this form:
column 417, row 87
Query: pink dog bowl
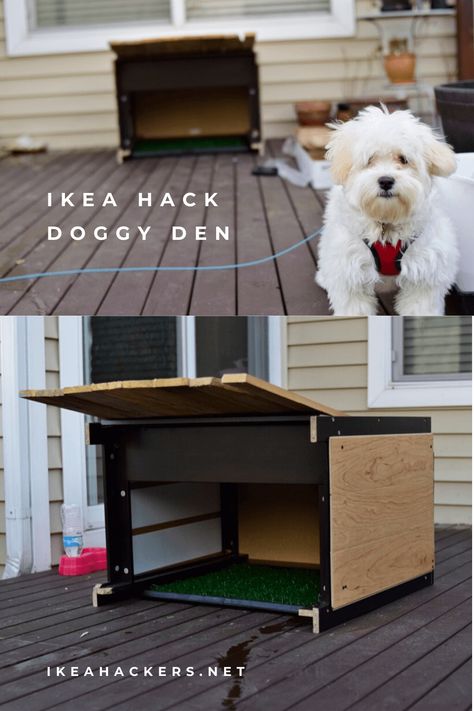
column 90, row 560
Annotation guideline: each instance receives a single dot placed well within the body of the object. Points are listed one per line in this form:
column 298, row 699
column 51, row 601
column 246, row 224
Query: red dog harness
column 387, row 256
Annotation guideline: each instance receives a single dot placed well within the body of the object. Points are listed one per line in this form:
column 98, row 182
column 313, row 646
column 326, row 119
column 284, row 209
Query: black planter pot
column 395, row 5
column 455, row 103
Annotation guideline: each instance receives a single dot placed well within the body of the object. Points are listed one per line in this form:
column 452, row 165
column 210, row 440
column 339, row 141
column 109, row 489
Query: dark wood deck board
column 265, row 215
column 96, row 286
column 171, row 292
column 411, row 653
column 258, row 289
column 128, row 291
column 88, row 252
column 453, row 692
column 207, row 285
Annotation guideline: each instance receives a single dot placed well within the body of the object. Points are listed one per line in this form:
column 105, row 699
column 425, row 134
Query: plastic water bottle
column 71, row 517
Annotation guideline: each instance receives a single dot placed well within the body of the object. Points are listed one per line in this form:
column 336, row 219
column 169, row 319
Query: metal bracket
column 313, row 428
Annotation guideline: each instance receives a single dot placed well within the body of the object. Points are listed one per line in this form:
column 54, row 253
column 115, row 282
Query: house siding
column 68, row 100
column 54, row 439
column 327, row 361
column 54, row 450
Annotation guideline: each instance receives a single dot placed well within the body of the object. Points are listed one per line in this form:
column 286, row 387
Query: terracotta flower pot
column 400, row 68
column 313, row 113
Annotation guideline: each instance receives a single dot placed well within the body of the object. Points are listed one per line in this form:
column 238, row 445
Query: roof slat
column 233, row 394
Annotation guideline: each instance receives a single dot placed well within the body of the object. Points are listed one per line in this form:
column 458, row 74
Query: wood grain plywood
column 236, row 394
column 381, row 507
column 279, row 523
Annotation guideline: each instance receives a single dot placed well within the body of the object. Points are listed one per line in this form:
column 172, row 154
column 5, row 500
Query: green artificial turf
column 242, row 581
column 188, row 145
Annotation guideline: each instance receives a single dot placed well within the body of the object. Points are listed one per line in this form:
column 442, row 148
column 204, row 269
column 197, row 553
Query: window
column 232, row 344
column 431, row 348
column 56, row 13
column 419, row 362
column 55, row 26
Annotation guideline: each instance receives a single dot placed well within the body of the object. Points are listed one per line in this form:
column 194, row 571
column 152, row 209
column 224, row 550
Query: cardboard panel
column 191, row 112
column 381, row 509
column 279, row 523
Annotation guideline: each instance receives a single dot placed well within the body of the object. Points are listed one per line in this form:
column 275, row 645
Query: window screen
column 432, row 348
column 233, row 344
column 54, row 13
column 127, row 348
column 215, row 9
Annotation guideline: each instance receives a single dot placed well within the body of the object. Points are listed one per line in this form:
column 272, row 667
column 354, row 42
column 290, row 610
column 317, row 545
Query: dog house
column 235, row 492
column 187, row 95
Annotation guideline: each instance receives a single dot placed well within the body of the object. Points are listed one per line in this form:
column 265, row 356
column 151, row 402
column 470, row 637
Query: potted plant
column 400, row 64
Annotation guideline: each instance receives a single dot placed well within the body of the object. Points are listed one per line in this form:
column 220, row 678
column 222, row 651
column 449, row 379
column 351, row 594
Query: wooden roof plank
column 233, row 394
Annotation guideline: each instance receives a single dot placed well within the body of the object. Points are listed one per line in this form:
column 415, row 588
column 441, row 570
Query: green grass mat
column 183, row 145
column 242, row 581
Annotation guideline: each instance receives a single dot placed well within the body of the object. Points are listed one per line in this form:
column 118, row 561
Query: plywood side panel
column 279, row 523
column 382, row 530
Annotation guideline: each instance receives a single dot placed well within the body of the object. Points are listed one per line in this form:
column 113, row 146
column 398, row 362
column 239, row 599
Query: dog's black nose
column 386, row 182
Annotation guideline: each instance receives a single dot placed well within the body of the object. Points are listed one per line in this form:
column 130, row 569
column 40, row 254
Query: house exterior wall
column 54, row 449
column 327, row 361
column 69, row 100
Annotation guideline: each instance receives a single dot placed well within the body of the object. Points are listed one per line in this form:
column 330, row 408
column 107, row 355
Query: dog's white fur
column 371, row 146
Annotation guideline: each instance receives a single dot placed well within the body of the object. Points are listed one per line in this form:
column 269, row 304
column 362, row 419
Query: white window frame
column 21, row 41
column 276, row 348
column 383, row 391
column 73, row 447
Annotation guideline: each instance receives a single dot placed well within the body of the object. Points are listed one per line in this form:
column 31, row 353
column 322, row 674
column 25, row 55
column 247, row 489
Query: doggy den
column 232, row 491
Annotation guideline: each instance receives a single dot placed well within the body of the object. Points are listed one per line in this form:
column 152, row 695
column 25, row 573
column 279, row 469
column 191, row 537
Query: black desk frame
column 244, row 445
column 229, row 69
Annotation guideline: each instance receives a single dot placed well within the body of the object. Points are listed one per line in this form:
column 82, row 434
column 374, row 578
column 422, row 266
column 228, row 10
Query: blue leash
column 211, row 268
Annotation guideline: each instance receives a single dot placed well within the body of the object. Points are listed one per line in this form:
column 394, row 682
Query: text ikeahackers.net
column 66, row 672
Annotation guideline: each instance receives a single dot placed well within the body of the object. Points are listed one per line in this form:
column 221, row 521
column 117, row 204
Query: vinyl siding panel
column 54, row 438
column 69, row 100
column 327, row 360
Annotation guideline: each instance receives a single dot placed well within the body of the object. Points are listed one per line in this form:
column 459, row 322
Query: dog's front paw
column 362, row 305
column 420, row 302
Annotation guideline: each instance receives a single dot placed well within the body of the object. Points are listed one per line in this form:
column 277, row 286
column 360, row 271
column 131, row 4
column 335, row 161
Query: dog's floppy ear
column 338, row 152
column 439, row 156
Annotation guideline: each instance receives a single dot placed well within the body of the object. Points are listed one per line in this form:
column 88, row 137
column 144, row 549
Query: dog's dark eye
column 403, row 160
column 370, row 160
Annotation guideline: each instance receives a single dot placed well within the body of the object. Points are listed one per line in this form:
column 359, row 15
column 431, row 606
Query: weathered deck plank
column 88, row 291
column 410, row 654
column 262, row 213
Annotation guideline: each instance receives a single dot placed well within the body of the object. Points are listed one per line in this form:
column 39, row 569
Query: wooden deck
column 411, row 654
column 265, row 216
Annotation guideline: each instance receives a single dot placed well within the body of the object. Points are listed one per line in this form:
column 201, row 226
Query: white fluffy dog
column 382, row 218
